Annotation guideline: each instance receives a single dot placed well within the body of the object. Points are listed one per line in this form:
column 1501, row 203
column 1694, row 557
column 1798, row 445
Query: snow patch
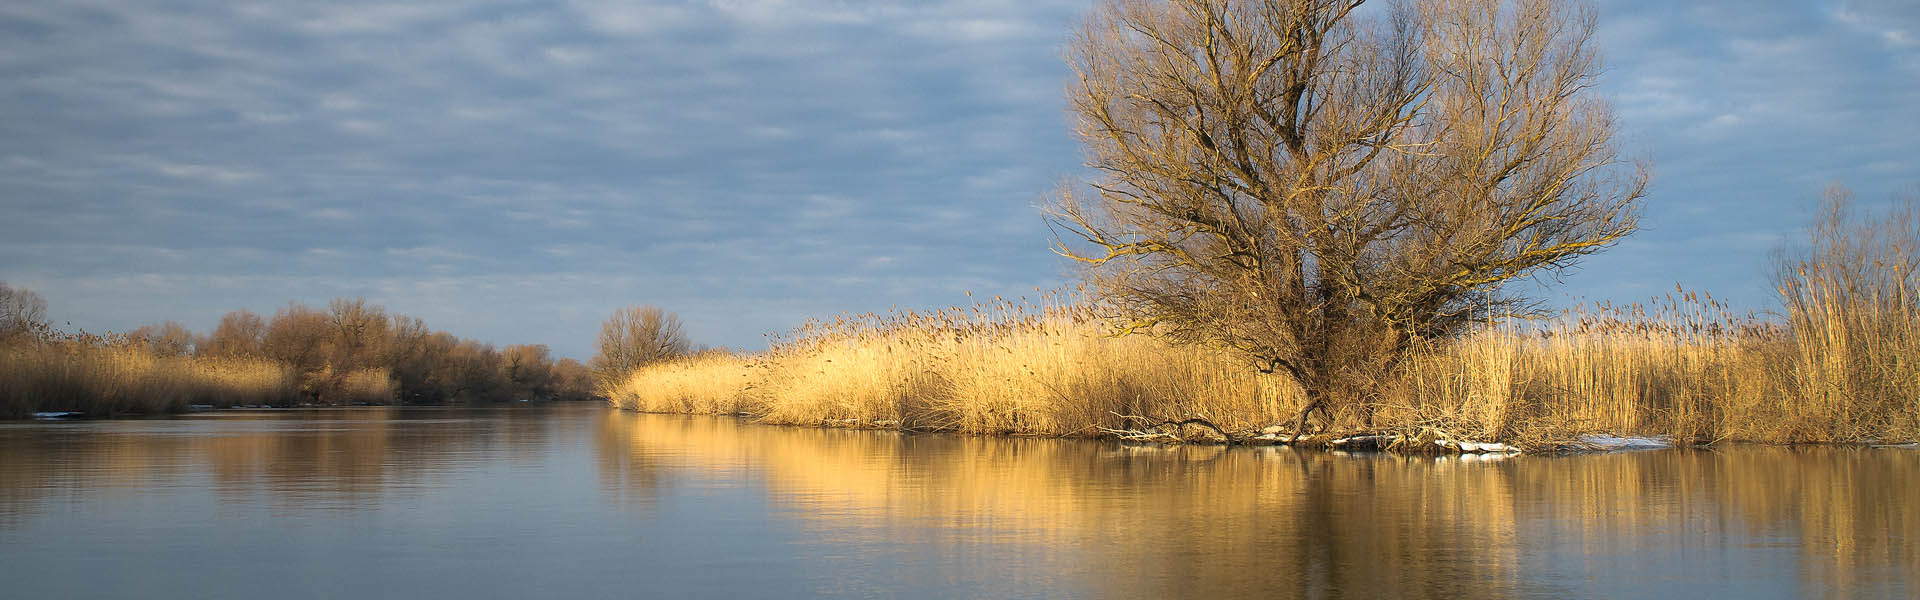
column 57, row 414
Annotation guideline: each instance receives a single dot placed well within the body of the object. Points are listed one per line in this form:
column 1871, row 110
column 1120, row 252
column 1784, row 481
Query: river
column 583, row 501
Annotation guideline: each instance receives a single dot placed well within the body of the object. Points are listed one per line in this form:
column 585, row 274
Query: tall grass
column 1851, row 368
column 1682, row 366
column 101, row 380
column 1001, row 368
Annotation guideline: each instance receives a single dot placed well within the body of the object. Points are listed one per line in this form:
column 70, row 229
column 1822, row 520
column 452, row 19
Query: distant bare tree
column 572, row 380
column 166, row 339
column 22, row 313
column 1319, row 186
column 410, row 358
column 474, row 368
column 358, row 332
column 240, row 333
column 297, row 336
column 635, row 336
column 528, row 370
column 1852, row 263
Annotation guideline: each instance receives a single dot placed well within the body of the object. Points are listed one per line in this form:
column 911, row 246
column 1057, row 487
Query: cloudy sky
column 514, row 171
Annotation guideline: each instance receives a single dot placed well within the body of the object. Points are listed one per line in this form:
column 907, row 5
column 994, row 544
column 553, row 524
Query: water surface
column 580, row 501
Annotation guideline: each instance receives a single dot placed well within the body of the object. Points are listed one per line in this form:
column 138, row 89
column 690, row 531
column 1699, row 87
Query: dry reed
column 1682, row 366
column 102, row 380
column 1001, row 368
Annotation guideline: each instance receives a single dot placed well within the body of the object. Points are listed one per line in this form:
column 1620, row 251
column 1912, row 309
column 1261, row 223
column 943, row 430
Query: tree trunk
column 1300, row 424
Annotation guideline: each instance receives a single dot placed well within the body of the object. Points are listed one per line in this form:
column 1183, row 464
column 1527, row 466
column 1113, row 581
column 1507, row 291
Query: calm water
column 586, row 502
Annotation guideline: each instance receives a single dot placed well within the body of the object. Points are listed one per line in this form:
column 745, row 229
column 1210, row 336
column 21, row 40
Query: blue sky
column 515, row 171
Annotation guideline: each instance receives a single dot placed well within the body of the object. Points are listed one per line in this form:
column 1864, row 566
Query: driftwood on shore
column 1175, row 431
column 1154, row 429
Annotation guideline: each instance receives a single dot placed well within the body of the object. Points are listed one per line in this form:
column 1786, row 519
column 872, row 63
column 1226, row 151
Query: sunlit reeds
column 1851, row 366
column 1003, row 367
column 1683, row 365
column 101, row 380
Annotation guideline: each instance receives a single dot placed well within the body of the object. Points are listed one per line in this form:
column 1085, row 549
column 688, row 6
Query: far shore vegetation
column 351, row 353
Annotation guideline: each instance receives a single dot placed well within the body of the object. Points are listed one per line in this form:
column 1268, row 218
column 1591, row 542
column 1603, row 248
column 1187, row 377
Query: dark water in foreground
column 585, row 502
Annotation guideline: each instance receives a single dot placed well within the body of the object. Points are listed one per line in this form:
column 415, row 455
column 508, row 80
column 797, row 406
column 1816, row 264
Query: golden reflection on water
column 1060, row 517
column 1191, row 521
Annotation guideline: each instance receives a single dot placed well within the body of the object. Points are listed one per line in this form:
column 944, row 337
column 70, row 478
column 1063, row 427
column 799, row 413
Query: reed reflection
column 335, row 458
column 1187, row 521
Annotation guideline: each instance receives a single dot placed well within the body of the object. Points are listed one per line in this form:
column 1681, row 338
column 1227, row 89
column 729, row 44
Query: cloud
column 748, row 163
column 1893, row 21
column 205, row 172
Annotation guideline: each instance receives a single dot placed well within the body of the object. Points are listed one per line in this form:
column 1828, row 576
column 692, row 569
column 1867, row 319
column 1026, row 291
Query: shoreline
column 1375, row 443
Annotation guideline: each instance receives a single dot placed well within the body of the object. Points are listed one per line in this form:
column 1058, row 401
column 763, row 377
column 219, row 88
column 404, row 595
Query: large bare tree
column 1319, row 184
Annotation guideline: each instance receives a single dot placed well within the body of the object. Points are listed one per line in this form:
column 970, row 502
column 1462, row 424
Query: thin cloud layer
column 515, row 171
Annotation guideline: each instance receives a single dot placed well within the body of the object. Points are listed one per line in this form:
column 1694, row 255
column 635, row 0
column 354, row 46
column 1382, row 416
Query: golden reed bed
column 1680, row 366
column 108, row 379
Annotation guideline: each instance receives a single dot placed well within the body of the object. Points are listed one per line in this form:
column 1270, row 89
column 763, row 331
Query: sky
column 515, row 171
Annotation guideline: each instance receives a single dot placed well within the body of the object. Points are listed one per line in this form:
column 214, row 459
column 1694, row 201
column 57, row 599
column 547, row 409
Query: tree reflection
column 335, row 458
column 1145, row 521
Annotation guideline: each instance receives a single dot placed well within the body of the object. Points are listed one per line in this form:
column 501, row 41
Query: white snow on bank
column 55, row 415
column 1614, row 442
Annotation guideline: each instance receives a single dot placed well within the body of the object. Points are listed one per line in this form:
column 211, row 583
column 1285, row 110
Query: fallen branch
column 1156, row 429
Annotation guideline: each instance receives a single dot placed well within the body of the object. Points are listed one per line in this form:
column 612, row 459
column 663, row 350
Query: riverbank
column 1679, row 368
column 98, row 380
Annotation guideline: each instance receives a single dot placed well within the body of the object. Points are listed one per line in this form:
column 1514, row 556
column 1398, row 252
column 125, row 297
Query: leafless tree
column 240, row 333
column 572, row 380
column 635, row 336
column 1319, row 185
column 166, row 339
column 358, row 331
column 527, row 370
column 1852, row 263
column 297, row 336
column 22, row 312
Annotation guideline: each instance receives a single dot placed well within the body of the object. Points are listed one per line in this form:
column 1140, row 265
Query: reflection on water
column 582, row 501
column 336, row 458
column 1117, row 520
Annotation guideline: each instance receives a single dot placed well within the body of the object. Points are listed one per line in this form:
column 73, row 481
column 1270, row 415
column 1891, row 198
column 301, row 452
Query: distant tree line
column 339, row 352
column 352, row 335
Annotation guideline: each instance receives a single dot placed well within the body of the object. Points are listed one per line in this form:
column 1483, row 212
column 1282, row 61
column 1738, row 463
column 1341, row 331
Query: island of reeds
column 1304, row 219
column 1835, row 363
